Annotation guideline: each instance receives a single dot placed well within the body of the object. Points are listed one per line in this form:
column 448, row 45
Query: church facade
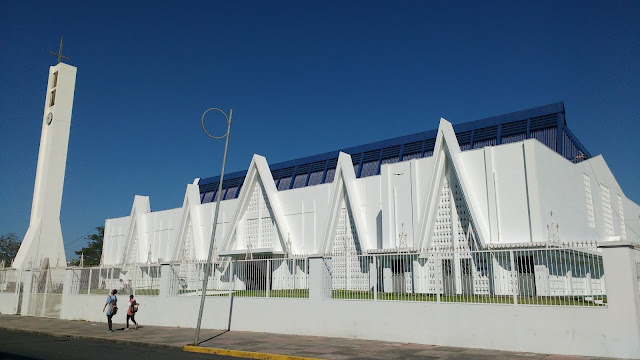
column 519, row 180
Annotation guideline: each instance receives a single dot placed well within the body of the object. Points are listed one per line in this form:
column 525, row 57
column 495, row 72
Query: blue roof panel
column 515, row 123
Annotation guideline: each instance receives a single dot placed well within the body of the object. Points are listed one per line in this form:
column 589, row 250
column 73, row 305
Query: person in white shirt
column 112, row 301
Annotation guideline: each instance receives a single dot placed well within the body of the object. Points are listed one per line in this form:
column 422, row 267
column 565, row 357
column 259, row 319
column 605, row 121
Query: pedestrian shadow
column 124, row 328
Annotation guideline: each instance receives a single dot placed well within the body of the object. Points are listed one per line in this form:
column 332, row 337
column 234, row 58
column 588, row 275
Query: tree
column 93, row 251
column 9, row 245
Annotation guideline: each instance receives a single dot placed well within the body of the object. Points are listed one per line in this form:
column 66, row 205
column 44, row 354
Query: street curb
column 101, row 339
column 242, row 354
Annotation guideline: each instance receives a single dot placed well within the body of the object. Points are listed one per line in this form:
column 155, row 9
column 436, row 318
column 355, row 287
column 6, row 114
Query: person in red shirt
column 131, row 311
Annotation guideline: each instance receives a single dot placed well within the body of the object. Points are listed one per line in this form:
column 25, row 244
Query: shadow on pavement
column 7, row 356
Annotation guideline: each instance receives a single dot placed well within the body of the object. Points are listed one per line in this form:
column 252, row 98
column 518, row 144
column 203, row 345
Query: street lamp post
column 207, row 268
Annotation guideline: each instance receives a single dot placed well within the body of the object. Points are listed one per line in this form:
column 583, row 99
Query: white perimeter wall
column 611, row 331
column 555, row 330
column 8, row 303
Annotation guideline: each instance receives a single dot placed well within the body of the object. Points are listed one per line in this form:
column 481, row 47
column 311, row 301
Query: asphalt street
column 19, row 345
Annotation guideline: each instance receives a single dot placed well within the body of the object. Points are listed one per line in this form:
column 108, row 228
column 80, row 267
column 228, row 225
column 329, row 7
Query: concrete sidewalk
column 258, row 345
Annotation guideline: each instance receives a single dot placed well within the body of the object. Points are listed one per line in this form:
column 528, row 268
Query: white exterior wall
column 306, row 211
column 115, row 234
column 515, row 193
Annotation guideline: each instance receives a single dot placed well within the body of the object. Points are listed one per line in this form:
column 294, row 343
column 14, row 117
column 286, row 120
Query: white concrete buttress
column 191, row 244
column 446, row 157
column 343, row 191
column 259, row 179
column 136, row 242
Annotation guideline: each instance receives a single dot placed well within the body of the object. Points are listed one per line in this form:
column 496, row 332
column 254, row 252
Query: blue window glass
column 231, row 193
column 330, row 174
column 410, row 156
column 369, row 168
column 284, row 183
column 208, row 196
column 299, row 181
column 315, row 177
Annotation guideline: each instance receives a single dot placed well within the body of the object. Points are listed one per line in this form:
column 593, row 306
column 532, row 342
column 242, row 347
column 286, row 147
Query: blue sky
column 302, row 77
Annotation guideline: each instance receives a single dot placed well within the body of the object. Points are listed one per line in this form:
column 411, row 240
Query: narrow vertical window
column 623, row 231
column 606, row 209
column 54, row 81
column 52, row 100
column 589, row 198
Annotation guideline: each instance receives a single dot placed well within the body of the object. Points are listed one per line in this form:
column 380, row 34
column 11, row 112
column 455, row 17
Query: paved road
column 18, row 345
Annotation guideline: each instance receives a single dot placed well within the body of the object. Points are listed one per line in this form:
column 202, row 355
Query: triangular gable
column 343, row 190
column 258, row 174
column 189, row 234
column 135, row 235
column 445, row 154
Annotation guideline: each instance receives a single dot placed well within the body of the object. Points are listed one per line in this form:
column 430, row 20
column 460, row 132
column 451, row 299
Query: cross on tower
column 59, row 53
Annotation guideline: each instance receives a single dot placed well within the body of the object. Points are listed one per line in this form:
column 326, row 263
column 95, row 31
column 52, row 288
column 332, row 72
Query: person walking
column 111, row 306
column 131, row 311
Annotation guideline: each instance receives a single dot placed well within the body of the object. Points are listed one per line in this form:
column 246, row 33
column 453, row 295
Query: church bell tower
column 43, row 246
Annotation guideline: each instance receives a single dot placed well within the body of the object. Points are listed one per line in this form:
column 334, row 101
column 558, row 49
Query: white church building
column 519, row 180
column 462, row 228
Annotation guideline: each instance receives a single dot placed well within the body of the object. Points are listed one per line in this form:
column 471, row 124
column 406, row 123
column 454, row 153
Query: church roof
column 545, row 123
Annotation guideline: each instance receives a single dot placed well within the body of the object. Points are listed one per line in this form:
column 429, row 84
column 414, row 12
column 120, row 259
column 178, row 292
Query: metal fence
column 186, row 279
column 9, row 280
column 248, row 278
column 571, row 275
column 127, row 279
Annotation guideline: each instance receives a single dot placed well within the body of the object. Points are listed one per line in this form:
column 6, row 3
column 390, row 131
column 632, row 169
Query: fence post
column 70, row 285
column 438, row 268
column 27, row 279
column 232, row 276
column 89, row 280
column 268, row 275
column 514, row 279
column 165, row 280
column 319, row 278
column 375, row 282
column 621, row 265
column 18, row 280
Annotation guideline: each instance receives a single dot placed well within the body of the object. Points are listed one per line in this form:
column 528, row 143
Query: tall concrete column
column 42, row 246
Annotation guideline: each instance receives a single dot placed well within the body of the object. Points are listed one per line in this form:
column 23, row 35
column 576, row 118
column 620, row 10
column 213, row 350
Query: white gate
column 45, row 297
